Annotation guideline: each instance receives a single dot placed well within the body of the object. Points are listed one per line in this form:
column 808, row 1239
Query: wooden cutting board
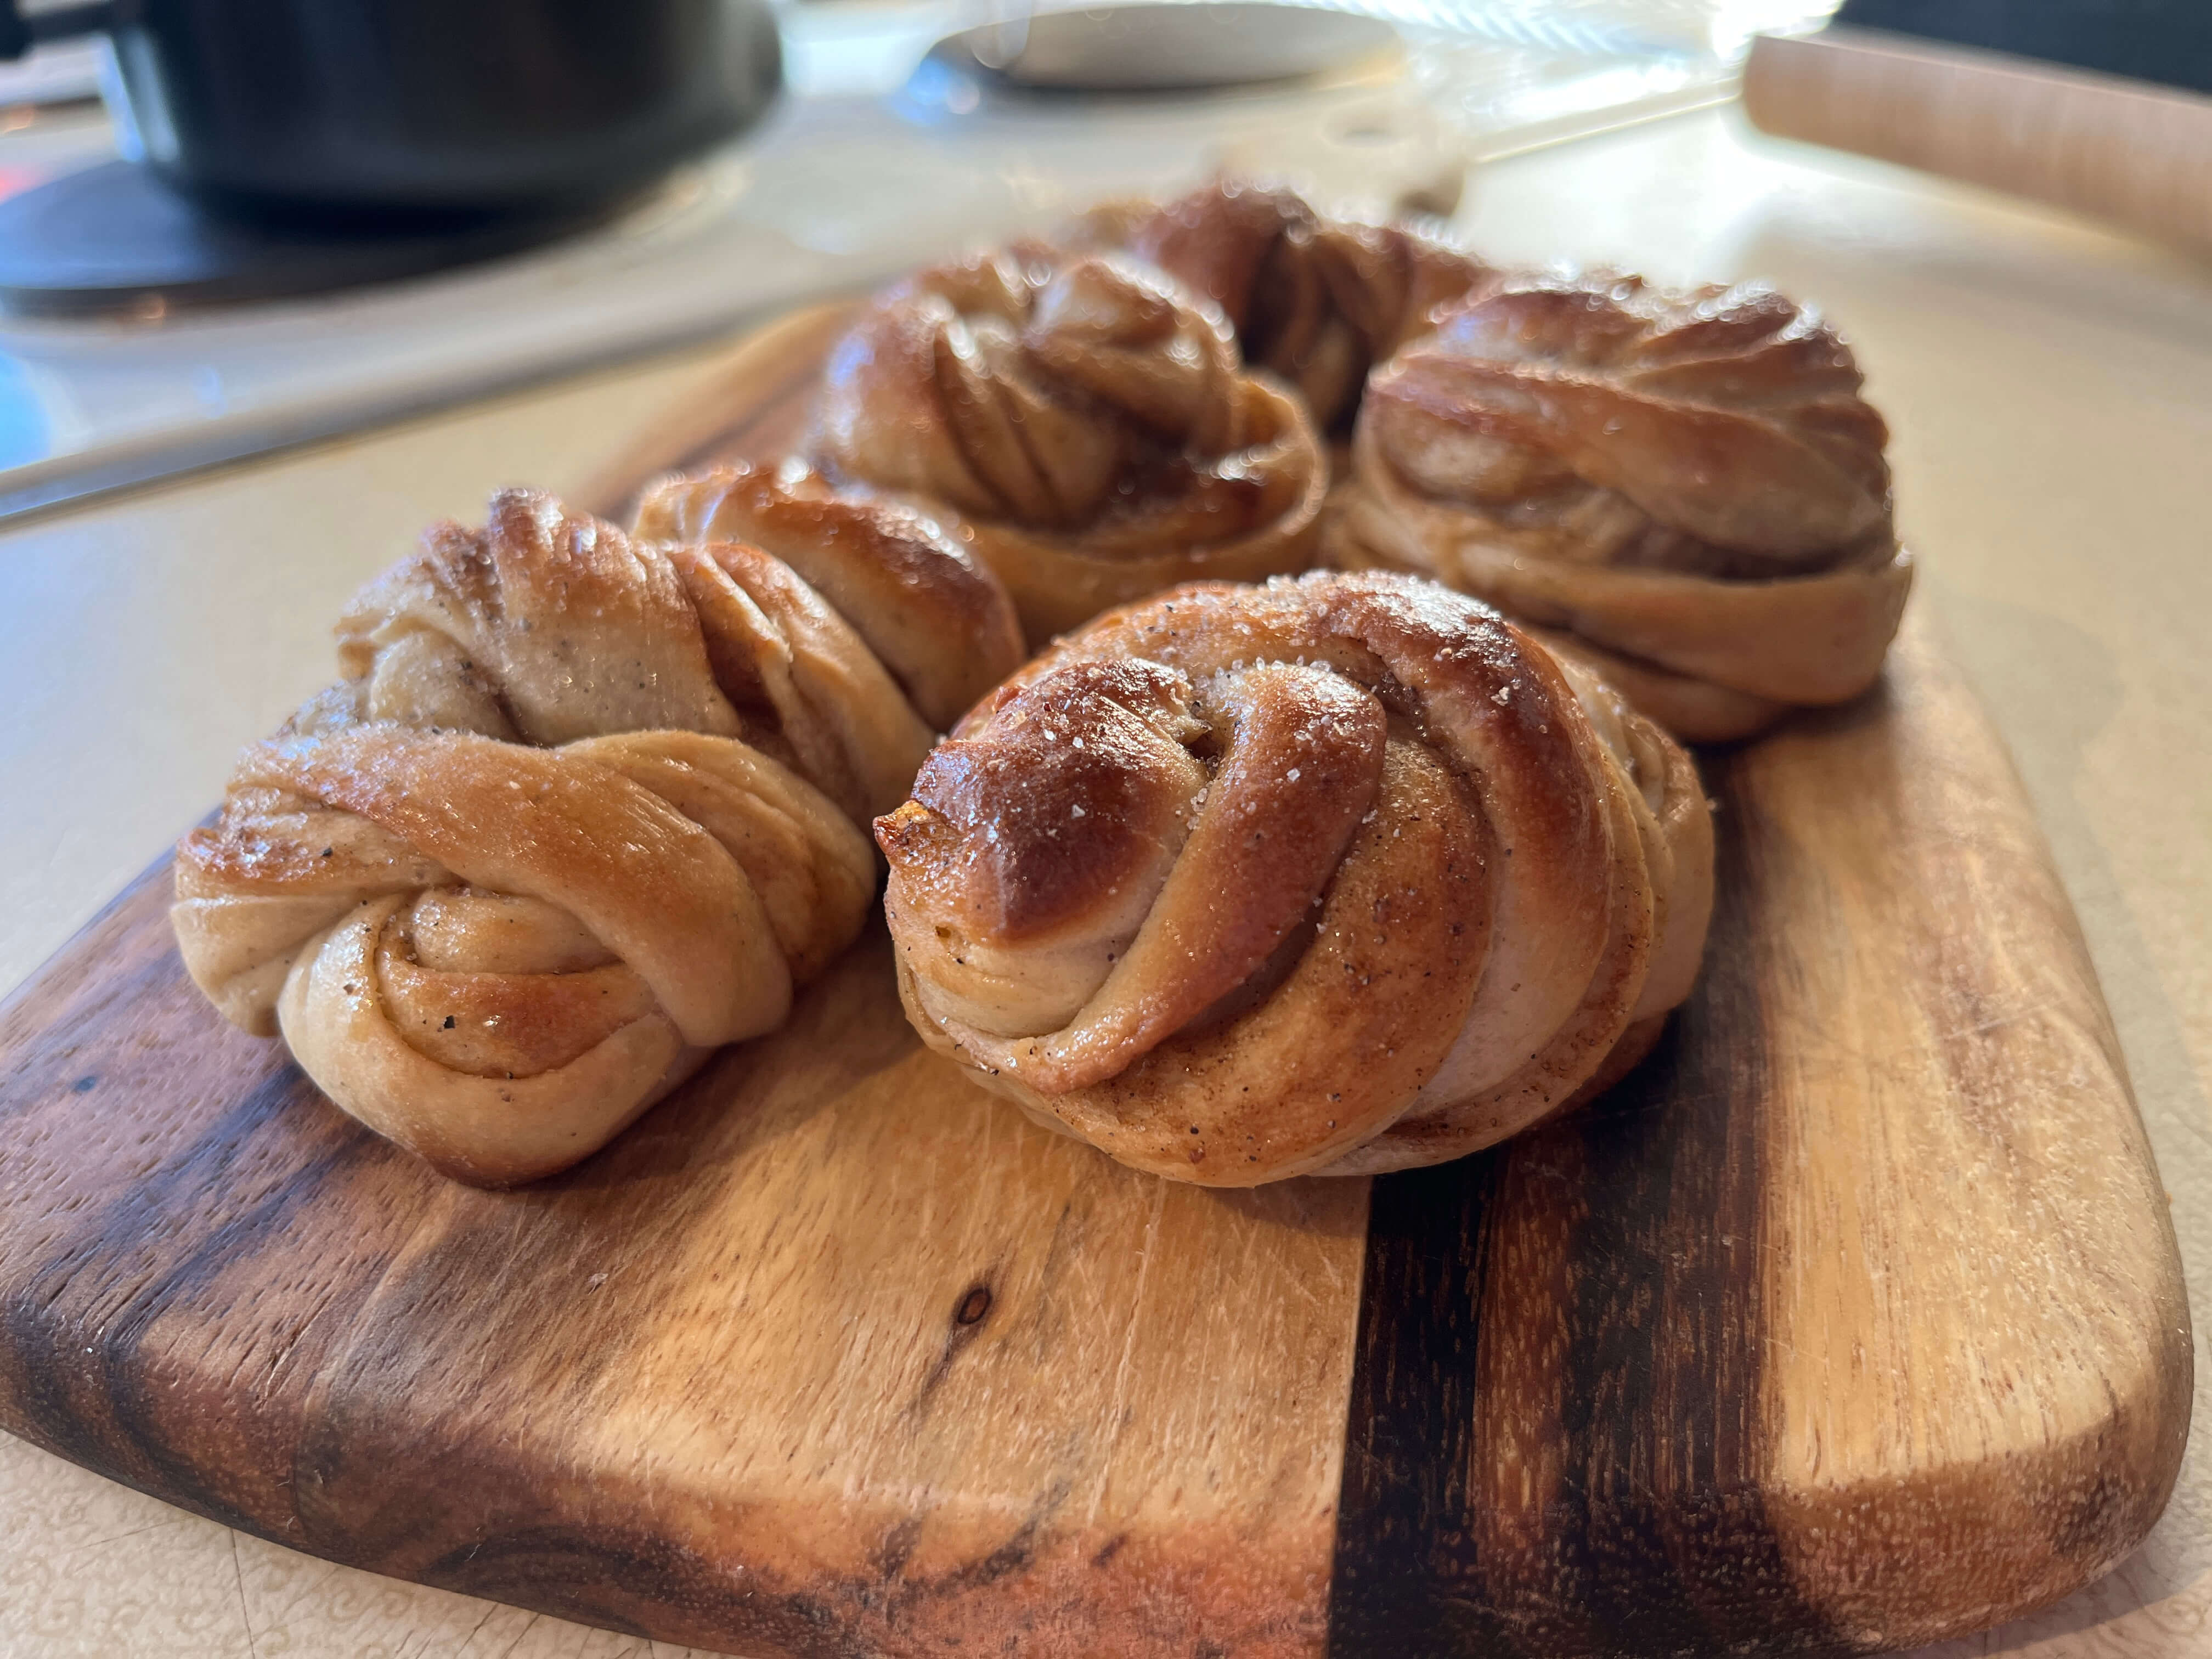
column 1852, row 1320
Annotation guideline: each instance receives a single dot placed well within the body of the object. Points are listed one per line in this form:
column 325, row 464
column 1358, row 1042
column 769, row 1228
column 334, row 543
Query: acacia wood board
column 1853, row 1319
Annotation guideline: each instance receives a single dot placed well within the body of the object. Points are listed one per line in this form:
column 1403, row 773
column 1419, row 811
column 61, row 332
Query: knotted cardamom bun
column 1084, row 429
column 515, row 875
column 1317, row 301
column 1687, row 487
column 1339, row 874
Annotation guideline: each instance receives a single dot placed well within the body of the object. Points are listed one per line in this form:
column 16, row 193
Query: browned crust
column 535, row 767
column 1343, row 1025
column 1083, row 427
column 1052, row 798
column 1730, row 415
column 1686, row 488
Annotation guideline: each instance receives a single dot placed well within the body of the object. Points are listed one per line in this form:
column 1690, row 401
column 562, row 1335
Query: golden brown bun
column 1687, row 484
column 1315, row 301
column 514, row 877
column 1339, row 874
column 1083, row 429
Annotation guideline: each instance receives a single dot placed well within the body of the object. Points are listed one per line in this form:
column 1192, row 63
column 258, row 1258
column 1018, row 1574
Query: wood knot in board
column 973, row 1306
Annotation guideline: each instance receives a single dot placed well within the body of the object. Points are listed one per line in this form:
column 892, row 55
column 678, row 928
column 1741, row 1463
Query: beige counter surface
column 2051, row 392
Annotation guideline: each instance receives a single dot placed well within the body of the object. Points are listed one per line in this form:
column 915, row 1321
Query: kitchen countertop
column 2050, row 388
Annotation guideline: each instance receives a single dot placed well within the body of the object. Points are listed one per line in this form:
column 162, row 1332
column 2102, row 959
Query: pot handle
column 18, row 33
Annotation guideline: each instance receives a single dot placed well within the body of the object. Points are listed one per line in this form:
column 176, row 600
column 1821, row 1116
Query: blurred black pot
column 344, row 112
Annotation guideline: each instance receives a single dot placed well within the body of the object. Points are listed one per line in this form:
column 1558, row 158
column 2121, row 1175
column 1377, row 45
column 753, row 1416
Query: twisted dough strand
column 1315, row 301
column 939, row 623
column 1685, row 487
column 537, row 854
column 1084, row 427
column 1335, row 875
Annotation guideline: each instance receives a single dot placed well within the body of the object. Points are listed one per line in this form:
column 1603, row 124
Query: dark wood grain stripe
column 1554, row 1430
column 103, row 1354
column 1405, row 1579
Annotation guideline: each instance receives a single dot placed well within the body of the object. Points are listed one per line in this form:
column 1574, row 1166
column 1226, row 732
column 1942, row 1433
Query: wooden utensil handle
column 2124, row 151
